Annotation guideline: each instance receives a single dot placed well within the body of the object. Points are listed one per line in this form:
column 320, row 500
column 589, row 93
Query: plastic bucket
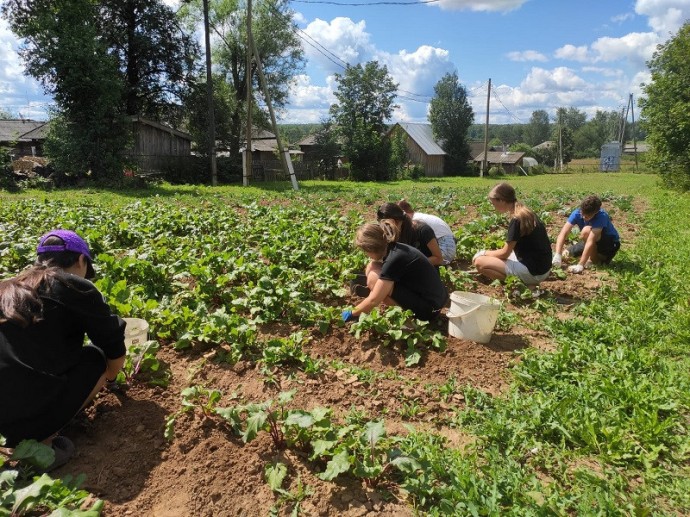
column 472, row 316
column 136, row 332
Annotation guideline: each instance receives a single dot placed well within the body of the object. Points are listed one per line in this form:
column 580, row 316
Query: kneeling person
column 599, row 239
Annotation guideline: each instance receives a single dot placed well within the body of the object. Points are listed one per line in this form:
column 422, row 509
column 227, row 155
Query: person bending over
column 47, row 374
column 444, row 234
column 599, row 239
column 405, row 277
column 527, row 251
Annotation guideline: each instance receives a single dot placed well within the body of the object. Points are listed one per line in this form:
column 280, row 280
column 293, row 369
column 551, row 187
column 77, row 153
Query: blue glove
column 348, row 316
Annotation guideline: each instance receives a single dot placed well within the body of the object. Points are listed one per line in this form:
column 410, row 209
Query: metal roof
column 500, row 157
column 13, row 130
column 424, row 136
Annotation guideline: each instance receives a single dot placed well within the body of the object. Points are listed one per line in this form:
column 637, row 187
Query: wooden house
column 422, row 148
column 23, row 137
column 507, row 160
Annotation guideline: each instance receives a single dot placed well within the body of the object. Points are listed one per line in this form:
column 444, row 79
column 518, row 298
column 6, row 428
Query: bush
column 495, row 172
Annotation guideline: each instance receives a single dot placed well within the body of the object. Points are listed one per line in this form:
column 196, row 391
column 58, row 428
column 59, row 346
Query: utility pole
column 284, row 153
column 486, row 133
column 632, row 110
column 248, row 147
column 560, row 141
column 209, row 96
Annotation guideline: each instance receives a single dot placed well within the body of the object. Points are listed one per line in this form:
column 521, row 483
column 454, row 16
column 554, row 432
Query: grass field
column 271, row 405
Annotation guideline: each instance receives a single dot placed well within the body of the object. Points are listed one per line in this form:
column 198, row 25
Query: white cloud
column 665, row 16
column 340, row 42
column 620, row 18
column 304, row 94
column 558, row 79
column 573, row 53
column 526, row 55
column 479, row 5
column 606, row 72
column 416, row 74
column 637, row 47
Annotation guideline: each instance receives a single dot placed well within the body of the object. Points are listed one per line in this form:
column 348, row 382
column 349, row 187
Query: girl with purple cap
column 47, row 374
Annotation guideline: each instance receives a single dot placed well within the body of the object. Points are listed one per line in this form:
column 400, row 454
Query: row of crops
column 212, row 271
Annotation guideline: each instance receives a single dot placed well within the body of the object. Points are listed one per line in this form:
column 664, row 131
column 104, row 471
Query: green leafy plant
column 398, row 325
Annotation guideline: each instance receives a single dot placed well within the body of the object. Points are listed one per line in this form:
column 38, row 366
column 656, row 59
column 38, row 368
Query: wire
column 493, row 90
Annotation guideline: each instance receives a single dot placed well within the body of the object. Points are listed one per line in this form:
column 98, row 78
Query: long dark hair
column 20, row 301
column 408, row 234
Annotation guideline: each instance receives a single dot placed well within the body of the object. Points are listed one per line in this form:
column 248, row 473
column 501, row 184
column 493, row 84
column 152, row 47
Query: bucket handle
column 453, row 315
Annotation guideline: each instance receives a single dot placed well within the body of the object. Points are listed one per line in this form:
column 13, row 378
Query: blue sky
column 539, row 54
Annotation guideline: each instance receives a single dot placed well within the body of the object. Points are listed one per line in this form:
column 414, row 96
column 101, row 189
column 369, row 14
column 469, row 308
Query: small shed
column 422, row 147
column 507, row 160
column 155, row 145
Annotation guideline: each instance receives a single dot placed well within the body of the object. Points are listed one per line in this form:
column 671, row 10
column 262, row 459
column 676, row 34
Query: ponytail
column 527, row 218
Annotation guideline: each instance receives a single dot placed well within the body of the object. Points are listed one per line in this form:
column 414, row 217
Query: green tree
column 327, row 149
column 101, row 61
column 666, row 110
column 275, row 36
column 156, row 56
column 451, row 116
column 538, row 129
column 65, row 53
column 602, row 128
column 366, row 100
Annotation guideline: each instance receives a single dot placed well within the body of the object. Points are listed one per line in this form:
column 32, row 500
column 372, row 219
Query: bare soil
column 207, row 471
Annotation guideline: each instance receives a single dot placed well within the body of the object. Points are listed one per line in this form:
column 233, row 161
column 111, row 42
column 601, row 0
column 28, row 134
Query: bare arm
column 590, row 245
column 382, row 290
column 436, row 257
column 562, row 236
column 113, row 367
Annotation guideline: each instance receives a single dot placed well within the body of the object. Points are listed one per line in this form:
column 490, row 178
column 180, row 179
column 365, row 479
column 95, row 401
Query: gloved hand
column 480, row 253
column 577, row 268
column 348, row 316
column 557, row 260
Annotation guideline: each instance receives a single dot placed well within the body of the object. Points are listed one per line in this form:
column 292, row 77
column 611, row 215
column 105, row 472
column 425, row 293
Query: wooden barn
column 422, row 148
column 155, row 144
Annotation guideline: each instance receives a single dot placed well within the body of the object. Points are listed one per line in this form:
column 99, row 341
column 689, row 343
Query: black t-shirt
column 33, row 360
column 533, row 249
column 421, row 234
column 406, row 266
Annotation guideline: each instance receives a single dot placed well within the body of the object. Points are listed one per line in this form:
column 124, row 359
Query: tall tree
column 666, row 110
column 155, row 55
column 101, row 60
column 451, row 115
column 275, row 36
column 366, row 100
column 538, row 130
column 65, row 53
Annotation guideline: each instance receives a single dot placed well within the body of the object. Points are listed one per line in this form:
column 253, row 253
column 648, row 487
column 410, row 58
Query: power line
column 504, row 106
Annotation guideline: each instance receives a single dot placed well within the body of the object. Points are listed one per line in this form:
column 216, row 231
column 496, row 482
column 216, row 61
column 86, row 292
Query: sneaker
column 64, row 450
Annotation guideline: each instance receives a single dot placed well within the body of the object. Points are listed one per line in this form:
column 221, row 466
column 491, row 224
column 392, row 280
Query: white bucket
column 472, row 316
column 136, row 332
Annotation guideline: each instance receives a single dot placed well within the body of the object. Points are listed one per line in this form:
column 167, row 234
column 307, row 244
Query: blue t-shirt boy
column 600, row 220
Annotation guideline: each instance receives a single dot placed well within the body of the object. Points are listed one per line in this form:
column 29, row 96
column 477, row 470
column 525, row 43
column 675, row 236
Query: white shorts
column 518, row 269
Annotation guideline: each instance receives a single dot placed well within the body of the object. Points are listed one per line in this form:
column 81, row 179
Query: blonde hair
column 506, row 193
column 375, row 238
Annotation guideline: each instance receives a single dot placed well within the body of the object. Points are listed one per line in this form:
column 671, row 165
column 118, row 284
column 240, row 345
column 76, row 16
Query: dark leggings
column 423, row 309
column 80, row 382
